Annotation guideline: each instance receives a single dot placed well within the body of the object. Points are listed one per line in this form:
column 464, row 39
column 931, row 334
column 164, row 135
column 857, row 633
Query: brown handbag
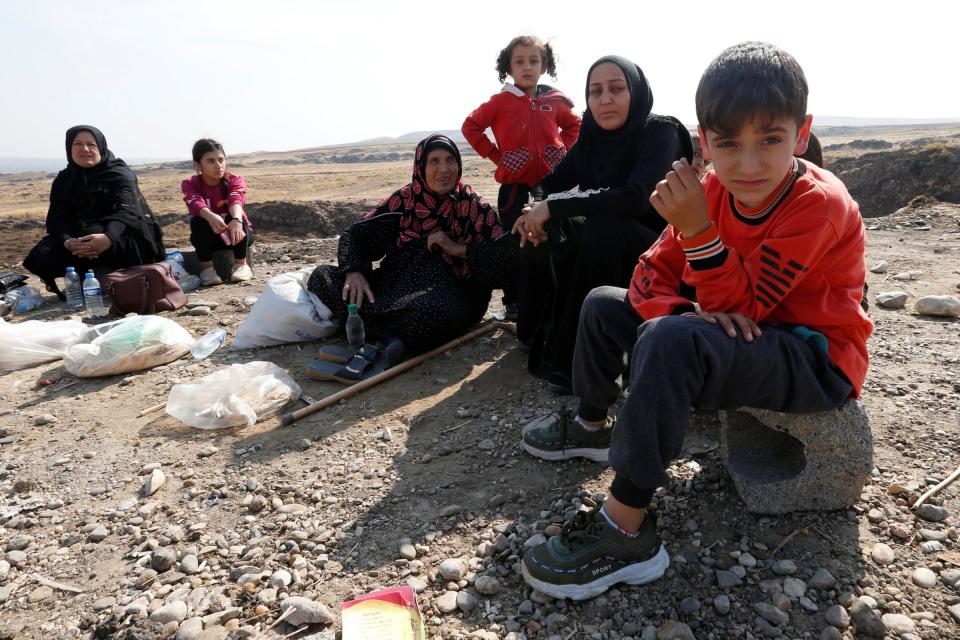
column 148, row 288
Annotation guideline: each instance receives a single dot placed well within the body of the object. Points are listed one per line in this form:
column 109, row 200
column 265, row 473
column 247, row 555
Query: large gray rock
column 786, row 462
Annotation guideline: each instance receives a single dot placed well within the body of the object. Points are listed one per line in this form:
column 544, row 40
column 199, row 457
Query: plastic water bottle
column 92, row 296
column 189, row 283
column 23, row 299
column 73, row 289
column 208, row 343
column 356, row 337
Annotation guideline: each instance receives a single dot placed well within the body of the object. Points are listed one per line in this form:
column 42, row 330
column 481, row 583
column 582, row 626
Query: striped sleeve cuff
column 704, row 250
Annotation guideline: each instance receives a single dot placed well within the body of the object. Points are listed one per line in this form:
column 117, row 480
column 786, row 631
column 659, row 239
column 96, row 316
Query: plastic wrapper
column 131, row 344
column 285, row 312
column 236, row 396
column 26, row 344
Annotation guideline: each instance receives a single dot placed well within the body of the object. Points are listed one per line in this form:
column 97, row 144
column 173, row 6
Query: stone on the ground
column 281, row 578
column 163, row 559
column 44, row 418
column 40, row 594
column 774, row 615
column 932, row 513
column 466, row 601
column 446, row 603
column 722, row 604
column 924, row 578
column 175, row 611
column 487, row 585
column 898, row 623
column 306, row 611
column 880, row 266
column 452, row 569
column 788, row 462
column 866, row 619
column 784, row 567
column 837, row 616
column 156, row 480
column 794, row 587
column 892, row 299
column 942, row 306
column 408, row 551
column 821, row 579
column 99, row 534
column 190, row 629
column 674, row 630
column 882, row 553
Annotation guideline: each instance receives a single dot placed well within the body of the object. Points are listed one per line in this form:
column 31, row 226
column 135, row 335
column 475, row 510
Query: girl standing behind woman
column 218, row 221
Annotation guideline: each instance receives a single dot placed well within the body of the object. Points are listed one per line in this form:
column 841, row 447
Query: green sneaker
column 590, row 556
column 559, row 436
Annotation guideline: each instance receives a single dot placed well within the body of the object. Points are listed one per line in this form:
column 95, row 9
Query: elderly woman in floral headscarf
column 440, row 258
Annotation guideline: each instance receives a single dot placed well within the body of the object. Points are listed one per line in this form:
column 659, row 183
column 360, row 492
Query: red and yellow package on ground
column 388, row 614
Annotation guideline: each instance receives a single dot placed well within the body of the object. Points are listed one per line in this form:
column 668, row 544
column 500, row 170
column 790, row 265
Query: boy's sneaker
column 243, row 273
column 209, row 277
column 590, row 555
column 559, row 436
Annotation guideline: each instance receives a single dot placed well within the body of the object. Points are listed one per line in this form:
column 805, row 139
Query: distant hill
column 414, row 136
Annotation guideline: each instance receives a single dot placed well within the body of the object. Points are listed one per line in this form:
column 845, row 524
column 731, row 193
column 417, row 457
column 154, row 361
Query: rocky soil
column 117, row 525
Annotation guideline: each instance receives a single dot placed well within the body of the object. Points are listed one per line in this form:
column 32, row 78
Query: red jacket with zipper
column 532, row 135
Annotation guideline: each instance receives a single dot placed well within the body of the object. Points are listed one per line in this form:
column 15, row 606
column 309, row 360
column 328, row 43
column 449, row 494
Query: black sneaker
column 559, row 436
column 590, row 556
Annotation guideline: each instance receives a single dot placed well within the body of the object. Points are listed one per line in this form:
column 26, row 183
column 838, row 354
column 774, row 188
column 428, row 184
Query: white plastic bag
column 25, row 344
column 238, row 395
column 285, row 312
column 130, row 344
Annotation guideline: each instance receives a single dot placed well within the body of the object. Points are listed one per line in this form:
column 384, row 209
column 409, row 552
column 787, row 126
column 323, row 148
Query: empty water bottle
column 189, row 283
column 23, row 299
column 356, row 337
column 73, row 289
column 92, row 296
column 207, row 344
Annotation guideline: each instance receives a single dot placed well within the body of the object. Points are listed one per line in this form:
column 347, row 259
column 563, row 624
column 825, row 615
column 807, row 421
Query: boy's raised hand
column 680, row 200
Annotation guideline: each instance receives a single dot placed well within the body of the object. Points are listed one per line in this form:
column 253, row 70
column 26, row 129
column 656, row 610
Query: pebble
column 930, row 534
column 932, row 513
column 45, row 418
column 486, row 444
column 892, row 299
column 207, row 451
column 808, row 605
column 16, row 557
column 882, row 554
column 40, row 594
column 831, row 633
column 821, row 580
column 452, row 569
column 487, row 585
column 408, row 551
column 466, row 601
column 794, row 587
column 99, row 534
column 950, row 577
column 722, row 604
column 306, row 611
column 201, row 310
column 102, row 604
column 941, row 306
column 417, row 584
column 727, row 579
column 898, row 623
column 955, row 612
column 281, row 579
column 866, row 619
column 784, row 567
column 202, row 303
column 674, row 630
column 163, row 559
column 880, row 266
column 446, row 603
column 189, row 564
column 152, row 485
column 923, row 577
column 449, row 511
column 747, row 561
column 837, row 616
column 190, row 629
column 249, row 301
column 689, row 605
column 774, row 615
column 175, row 611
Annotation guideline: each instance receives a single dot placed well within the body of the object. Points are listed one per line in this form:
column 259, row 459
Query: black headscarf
column 86, row 200
column 612, row 152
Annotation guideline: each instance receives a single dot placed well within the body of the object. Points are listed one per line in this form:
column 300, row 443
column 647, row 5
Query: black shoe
column 560, row 384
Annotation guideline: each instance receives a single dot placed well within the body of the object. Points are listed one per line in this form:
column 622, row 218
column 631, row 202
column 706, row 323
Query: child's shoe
column 560, row 436
column 209, row 277
column 591, row 555
column 243, row 273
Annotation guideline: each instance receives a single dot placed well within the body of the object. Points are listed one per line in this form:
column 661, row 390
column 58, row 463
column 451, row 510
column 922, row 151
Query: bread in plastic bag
column 235, row 396
column 130, row 344
column 285, row 312
column 26, row 344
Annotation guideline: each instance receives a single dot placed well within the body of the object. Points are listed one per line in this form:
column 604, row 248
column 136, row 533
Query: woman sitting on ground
column 593, row 236
column 97, row 219
column 218, row 221
column 436, row 241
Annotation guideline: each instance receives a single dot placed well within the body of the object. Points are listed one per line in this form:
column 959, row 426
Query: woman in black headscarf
column 578, row 240
column 98, row 219
column 440, row 258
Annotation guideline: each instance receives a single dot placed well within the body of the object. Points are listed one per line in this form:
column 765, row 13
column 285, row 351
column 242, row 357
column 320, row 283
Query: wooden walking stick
column 363, row 385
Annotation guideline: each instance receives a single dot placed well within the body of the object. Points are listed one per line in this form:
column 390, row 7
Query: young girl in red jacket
column 215, row 199
column 534, row 124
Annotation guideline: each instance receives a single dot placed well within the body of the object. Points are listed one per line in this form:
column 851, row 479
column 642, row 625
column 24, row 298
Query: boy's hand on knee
column 680, row 200
column 730, row 322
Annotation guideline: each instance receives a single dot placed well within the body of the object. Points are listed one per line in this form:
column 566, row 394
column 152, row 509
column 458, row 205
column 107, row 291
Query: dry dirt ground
column 320, row 508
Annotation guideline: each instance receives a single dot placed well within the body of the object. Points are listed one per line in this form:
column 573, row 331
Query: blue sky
column 287, row 74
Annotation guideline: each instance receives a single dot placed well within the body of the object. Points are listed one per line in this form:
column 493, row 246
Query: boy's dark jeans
column 205, row 241
column 678, row 363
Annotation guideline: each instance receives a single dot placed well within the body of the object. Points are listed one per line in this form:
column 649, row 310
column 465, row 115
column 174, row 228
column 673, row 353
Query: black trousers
column 677, row 363
column 49, row 259
column 205, row 241
column 510, row 202
column 582, row 253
